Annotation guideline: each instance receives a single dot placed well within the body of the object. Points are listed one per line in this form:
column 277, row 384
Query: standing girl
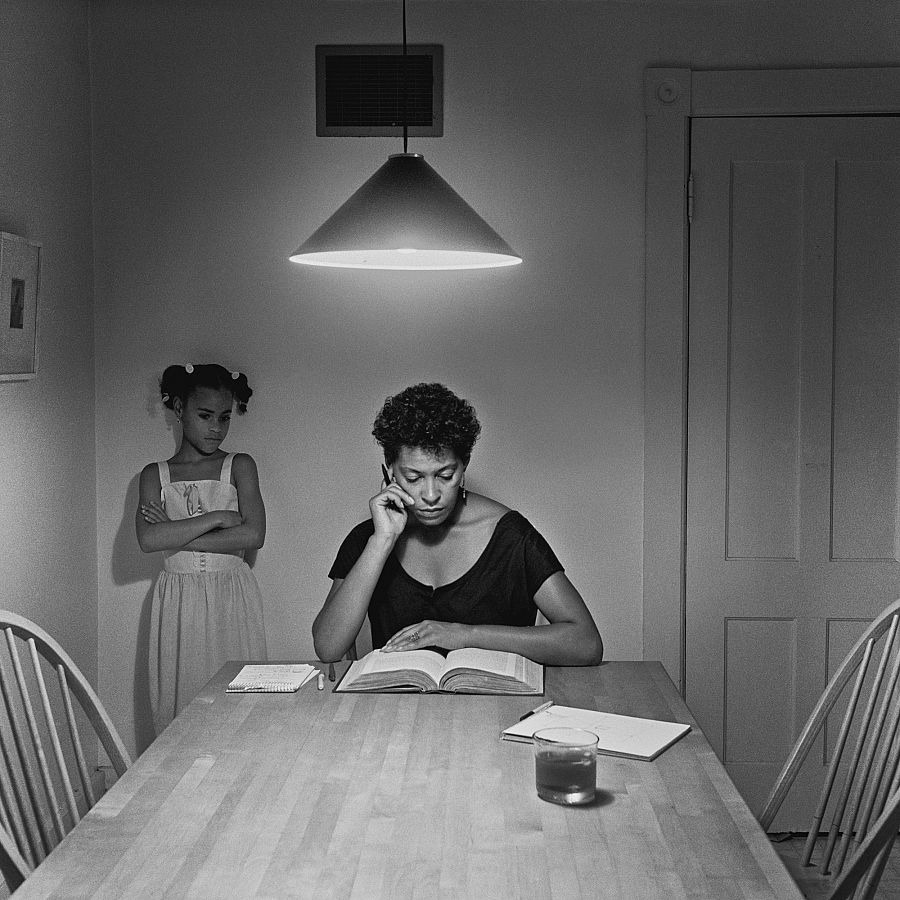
column 203, row 509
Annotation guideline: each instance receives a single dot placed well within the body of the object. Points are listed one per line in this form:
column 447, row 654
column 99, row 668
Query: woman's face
column 433, row 480
column 205, row 418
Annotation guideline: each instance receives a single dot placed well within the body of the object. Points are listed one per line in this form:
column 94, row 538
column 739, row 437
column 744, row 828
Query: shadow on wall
column 130, row 565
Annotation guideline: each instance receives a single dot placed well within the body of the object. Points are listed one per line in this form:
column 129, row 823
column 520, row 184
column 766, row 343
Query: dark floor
column 791, row 851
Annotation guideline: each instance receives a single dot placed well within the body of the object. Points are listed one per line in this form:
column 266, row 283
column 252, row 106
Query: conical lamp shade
column 406, row 217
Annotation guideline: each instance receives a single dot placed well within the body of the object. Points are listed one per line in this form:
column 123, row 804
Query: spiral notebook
column 271, row 678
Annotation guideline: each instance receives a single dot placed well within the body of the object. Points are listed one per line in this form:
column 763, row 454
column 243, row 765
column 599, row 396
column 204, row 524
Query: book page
column 497, row 661
column 472, row 669
column 376, row 662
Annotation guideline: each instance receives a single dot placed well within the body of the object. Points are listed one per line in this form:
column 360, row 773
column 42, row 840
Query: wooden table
column 321, row 795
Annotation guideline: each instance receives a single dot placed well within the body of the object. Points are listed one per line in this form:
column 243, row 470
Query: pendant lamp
column 406, row 217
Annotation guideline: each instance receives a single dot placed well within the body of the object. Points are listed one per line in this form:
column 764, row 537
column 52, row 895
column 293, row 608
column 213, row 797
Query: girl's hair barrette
column 189, row 369
column 235, row 376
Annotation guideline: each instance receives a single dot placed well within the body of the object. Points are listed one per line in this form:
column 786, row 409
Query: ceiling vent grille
column 360, row 90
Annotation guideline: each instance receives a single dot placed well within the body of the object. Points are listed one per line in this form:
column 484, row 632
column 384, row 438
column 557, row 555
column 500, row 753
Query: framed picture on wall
column 20, row 266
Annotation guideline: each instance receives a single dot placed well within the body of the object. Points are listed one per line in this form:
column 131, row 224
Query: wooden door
column 793, row 522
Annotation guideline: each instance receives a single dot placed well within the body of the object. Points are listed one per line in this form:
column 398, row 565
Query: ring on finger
column 414, row 636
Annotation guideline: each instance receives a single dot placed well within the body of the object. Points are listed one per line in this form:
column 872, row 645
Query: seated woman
column 440, row 566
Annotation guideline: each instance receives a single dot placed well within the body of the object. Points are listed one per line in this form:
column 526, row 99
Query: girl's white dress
column 207, row 608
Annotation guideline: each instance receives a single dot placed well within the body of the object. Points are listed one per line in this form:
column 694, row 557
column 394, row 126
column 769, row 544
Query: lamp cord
column 405, row 81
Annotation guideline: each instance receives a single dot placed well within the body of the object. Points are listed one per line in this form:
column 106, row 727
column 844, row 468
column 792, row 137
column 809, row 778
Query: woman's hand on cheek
column 388, row 509
column 446, row 635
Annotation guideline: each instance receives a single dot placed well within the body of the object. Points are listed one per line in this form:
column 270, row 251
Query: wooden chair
column 13, row 867
column 858, row 811
column 869, row 861
column 45, row 778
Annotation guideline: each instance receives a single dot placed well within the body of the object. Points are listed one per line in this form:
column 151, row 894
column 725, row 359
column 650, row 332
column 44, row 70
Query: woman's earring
column 464, row 491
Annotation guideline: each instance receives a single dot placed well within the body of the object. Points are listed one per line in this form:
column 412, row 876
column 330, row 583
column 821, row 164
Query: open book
column 466, row 671
column 618, row 735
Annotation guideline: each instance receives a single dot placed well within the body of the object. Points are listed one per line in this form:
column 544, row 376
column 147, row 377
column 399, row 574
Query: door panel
column 864, row 505
column 763, row 347
column 793, row 526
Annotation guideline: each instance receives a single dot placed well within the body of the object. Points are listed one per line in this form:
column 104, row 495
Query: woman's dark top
column 499, row 589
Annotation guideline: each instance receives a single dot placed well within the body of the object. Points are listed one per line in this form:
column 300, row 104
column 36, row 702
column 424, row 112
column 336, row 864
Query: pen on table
column 331, row 671
column 537, row 709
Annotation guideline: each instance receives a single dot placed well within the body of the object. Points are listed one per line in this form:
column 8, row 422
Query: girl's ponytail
column 174, row 383
column 241, row 390
column 182, row 380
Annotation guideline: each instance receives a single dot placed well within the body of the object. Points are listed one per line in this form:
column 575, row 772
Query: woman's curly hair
column 430, row 417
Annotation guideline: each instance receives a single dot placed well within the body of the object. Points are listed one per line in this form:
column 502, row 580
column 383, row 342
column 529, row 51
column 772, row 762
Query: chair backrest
column 861, row 790
column 12, row 866
column 46, row 780
column 860, row 878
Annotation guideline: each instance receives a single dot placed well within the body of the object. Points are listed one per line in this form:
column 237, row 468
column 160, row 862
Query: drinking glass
column 565, row 765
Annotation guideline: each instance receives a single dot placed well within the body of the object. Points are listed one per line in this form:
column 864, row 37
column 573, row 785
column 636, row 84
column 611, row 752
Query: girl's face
column 432, row 479
column 205, row 417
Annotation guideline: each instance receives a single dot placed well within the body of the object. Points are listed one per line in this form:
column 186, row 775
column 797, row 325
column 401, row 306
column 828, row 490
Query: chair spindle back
column 862, row 783
column 46, row 779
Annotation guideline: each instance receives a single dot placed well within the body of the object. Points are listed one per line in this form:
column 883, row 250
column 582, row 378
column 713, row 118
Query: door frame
column 673, row 96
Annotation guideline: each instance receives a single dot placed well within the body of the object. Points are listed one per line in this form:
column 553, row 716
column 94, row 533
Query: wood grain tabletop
column 324, row 795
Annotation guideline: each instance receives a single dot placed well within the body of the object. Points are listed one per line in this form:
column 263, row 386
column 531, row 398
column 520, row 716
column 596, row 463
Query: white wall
column 48, row 566
column 208, row 174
